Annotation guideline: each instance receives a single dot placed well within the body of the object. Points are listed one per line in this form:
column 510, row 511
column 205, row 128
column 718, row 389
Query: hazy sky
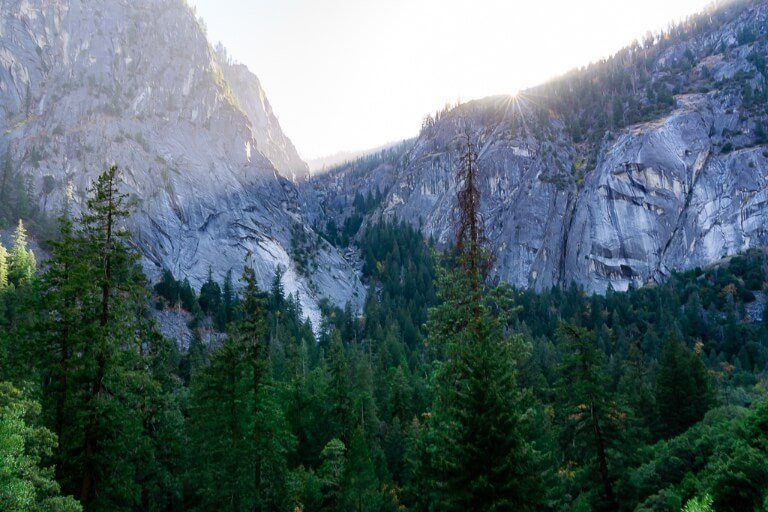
column 354, row 74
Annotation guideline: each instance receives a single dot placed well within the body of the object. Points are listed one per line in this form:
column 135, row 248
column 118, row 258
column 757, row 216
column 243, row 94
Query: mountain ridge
column 610, row 176
column 613, row 175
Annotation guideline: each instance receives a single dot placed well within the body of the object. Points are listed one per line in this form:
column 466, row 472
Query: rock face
column 672, row 174
column 652, row 161
column 665, row 196
column 253, row 101
column 87, row 83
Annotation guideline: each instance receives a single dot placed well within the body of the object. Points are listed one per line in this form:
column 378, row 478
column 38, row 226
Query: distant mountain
column 87, row 83
column 613, row 175
column 327, row 163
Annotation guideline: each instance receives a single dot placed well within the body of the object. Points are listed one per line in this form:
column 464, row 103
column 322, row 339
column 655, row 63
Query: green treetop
column 21, row 261
column 26, row 485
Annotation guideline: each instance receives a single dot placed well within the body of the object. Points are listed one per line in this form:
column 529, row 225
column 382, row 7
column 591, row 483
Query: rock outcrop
column 615, row 175
column 87, row 83
column 252, row 99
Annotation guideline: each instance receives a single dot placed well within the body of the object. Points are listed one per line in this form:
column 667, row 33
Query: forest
column 450, row 392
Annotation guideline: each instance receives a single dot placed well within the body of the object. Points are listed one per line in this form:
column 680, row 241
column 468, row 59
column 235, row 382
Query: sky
column 346, row 75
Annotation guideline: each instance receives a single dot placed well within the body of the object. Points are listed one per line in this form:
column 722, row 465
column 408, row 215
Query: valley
column 549, row 301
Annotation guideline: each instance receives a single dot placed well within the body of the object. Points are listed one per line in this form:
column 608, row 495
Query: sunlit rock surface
column 87, row 83
column 682, row 190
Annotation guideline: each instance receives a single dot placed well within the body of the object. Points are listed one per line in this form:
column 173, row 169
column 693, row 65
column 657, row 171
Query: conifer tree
column 637, row 391
column 21, row 261
column 237, row 420
column 591, row 419
column 161, row 444
column 195, row 358
column 26, row 484
column 217, row 425
column 251, row 335
column 331, row 474
column 228, row 301
column 360, row 480
column 113, row 266
column 476, row 448
column 683, row 393
column 67, row 285
column 210, row 295
column 102, row 394
column 339, row 397
column 273, row 450
column 277, row 292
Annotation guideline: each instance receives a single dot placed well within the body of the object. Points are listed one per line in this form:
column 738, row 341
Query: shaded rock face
column 87, row 83
column 174, row 325
column 330, row 195
column 682, row 190
column 270, row 138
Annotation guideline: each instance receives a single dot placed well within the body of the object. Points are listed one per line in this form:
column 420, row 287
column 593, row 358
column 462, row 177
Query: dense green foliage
column 440, row 396
column 445, row 393
column 26, row 485
column 342, row 235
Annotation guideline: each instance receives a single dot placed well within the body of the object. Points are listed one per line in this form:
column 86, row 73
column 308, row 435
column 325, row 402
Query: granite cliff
column 87, row 83
column 614, row 175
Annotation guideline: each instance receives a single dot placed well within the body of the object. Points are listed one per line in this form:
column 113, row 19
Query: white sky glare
column 355, row 74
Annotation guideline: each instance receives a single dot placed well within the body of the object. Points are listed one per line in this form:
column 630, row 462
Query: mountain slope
column 252, row 99
column 616, row 174
column 86, row 83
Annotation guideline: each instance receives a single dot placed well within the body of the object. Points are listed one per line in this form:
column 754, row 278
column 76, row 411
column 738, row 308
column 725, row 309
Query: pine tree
column 277, row 293
column 217, row 424
column 237, row 420
column 476, row 451
column 21, row 261
column 339, row 392
column 251, row 335
column 226, row 312
column 67, row 286
column 95, row 354
column 637, row 390
column 162, row 442
column 331, row 475
column 107, row 243
column 360, row 480
column 168, row 288
column 276, row 306
column 112, row 411
column 195, row 358
column 274, row 447
column 591, row 419
column 683, row 393
column 210, row 295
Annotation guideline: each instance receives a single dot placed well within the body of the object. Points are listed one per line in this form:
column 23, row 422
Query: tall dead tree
column 469, row 228
column 473, row 257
